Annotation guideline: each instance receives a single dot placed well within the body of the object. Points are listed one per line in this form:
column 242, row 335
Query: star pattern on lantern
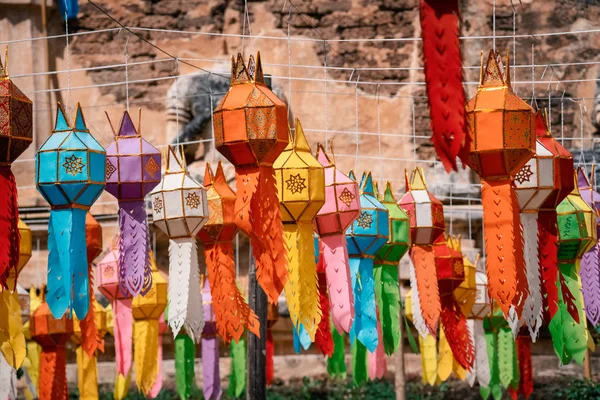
column 110, row 169
column 346, row 197
column 73, row 165
column 158, row 204
column 109, row 272
column 151, row 167
column 192, row 200
column 524, row 174
column 296, row 184
column 365, row 220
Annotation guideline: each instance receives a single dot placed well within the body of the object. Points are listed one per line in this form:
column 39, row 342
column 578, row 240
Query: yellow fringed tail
column 11, row 329
column 87, row 375
column 145, row 339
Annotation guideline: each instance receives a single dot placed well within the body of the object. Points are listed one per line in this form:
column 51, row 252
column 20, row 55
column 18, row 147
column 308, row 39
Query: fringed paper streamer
column 457, row 332
column 123, row 323
column 494, row 388
column 33, row 370
column 135, row 276
column 302, row 339
column 323, row 338
column 387, row 293
column 525, row 366
column 87, row 375
column 444, row 358
column 12, row 339
column 365, row 312
column 548, row 236
column 210, row 349
column 145, row 333
column 590, row 279
column 237, row 377
column 359, row 363
column 377, row 360
column 423, row 261
column 336, row 364
column 122, row 385
column 91, row 339
column 428, row 347
column 482, row 363
column 417, row 316
column 185, row 356
column 9, row 219
column 337, row 270
column 532, row 311
column 270, row 366
column 53, row 374
column 8, row 378
column 157, row 387
column 440, row 20
column 506, row 356
column 459, row 371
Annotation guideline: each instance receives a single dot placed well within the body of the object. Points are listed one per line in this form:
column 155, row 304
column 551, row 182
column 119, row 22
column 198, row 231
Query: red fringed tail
column 444, row 78
column 10, row 239
column 270, row 367
column 525, row 365
column 323, row 337
column 53, row 374
column 548, row 235
column 456, row 329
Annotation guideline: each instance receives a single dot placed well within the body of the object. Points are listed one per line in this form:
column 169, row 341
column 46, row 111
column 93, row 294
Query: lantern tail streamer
column 336, row 364
column 359, row 363
column 90, row 337
column 417, row 316
column 502, row 237
column 429, row 364
column 145, row 332
column 87, row 375
column 339, row 283
column 590, row 279
column 365, row 320
column 494, row 388
column 548, row 236
column 270, row 367
column 11, row 329
column 157, row 387
column 444, row 77
column 134, row 265
column 525, row 366
column 185, row 354
column 482, row 364
column 310, row 314
column 123, row 322
column 9, row 219
column 574, row 334
column 210, row 367
column 377, row 361
column 8, row 389
column 184, row 288
column 53, row 374
column 506, row 356
column 67, row 263
column 444, row 357
column 457, row 332
column 122, row 384
column 532, row 312
column 237, row 378
column 323, row 338
column 387, row 293
column 292, row 288
column 423, row 260
column 232, row 312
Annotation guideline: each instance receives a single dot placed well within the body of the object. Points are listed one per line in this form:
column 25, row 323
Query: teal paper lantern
column 70, row 173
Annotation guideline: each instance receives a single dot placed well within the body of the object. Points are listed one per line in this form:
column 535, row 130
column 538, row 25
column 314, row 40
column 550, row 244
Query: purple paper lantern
column 132, row 171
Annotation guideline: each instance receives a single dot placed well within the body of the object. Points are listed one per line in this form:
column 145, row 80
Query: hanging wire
column 326, row 97
column 68, row 58
column 494, row 25
column 356, row 123
column 126, row 70
column 379, row 136
column 289, row 50
column 177, row 129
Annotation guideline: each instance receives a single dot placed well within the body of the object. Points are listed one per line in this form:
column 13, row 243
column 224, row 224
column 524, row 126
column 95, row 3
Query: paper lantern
column 70, row 175
column 301, row 190
column 466, row 292
column 52, row 334
column 364, row 238
column 341, row 208
column 502, row 131
column 146, row 310
column 426, row 216
column 250, row 125
column 577, row 234
column 180, row 209
column 232, row 313
column 211, row 383
column 16, row 133
column 387, row 290
column 590, row 262
column 323, row 337
column 122, row 318
column 132, row 171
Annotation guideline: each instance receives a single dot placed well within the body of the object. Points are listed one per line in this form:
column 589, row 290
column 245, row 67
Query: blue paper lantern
column 367, row 234
column 70, row 173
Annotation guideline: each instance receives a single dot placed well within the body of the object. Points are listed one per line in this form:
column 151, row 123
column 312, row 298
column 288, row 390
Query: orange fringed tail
column 257, row 214
column 53, row 374
column 10, row 239
column 502, row 239
column 232, row 313
column 423, row 261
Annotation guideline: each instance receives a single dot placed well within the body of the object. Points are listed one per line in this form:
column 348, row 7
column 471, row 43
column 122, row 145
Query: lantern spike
column 367, row 184
column 61, row 120
column 79, row 123
column 291, row 143
column 139, row 121
column 351, row 175
column 209, row 178
column 181, row 155
column 300, row 142
column 259, row 77
column 593, row 177
column 127, row 128
column 492, row 76
column 220, row 175
column 4, row 69
column 173, row 163
column 582, row 178
column 376, row 191
column 389, row 194
column 322, row 156
column 251, row 67
column 417, row 181
column 406, row 181
column 332, row 152
column 239, row 74
column 507, row 70
column 112, row 128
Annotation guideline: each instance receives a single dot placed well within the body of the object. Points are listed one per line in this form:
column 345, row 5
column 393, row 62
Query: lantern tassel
column 122, row 384
column 548, row 236
column 417, row 316
column 377, row 361
column 237, row 378
column 359, row 363
column 365, row 310
column 337, row 270
column 482, row 363
column 387, row 293
column 292, row 287
column 184, row 288
column 532, row 311
column 270, row 350
column 68, row 284
column 525, row 366
column 53, row 373
column 210, row 365
column 87, row 374
column 145, row 332
column 11, row 329
column 157, row 387
column 501, row 237
column 134, row 266
column 444, row 357
column 423, row 261
column 123, row 322
column 427, row 345
column 185, row 355
column 590, row 279
column 323, row 338
column 90, row 337
column 336, row 364
column 10, row 239
column 443, row 74
column 457, row 331
column 232, row 313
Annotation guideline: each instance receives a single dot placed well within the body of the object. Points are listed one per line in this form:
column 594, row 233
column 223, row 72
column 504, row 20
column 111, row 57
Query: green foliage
column 579, row 390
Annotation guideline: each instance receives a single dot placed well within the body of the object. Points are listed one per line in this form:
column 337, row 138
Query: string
column 514, row 46
column 581, row 152
column 247, row 16
column 127, row 71
column 356, row 122
column 379, row 136
column 212, row 122
column 326, row 97
column 177, row 102
column 68, row 58
column 494, row 25
column 289, row 49
column 533, row 74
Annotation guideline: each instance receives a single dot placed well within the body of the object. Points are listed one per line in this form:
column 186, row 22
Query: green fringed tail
column 336, row 364
column 409, row 335
column 237, row 377
column 506, row 356
column 185, row 357
column 387, row 293
column 494, row 387
column 359, row 364
column 574, row 334
column 516, row 373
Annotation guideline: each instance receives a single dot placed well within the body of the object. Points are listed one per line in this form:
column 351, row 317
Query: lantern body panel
column 26, row 243
column 576, row 228
column 24, row 303
column 16, row 121
column 534, row 183
column 153, row 303
column 48, row 331
column 588, row 194
column 399, row 231
column 108, row 276
column 466, row 293
column 483, row 303
column 220, row 226
column 448, row 262
column 370, row 230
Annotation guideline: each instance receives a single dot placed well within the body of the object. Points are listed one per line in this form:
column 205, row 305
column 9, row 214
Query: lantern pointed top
column 417, row 180
column 582, row 178
column 300, row 142
column 576, row 188
column 220, row 174
column 174, row 164
column 351, row 175
column 127, row 128
column 455, row 242
column 366, row 185
column 253, row 72
column 79, row 123
column 61, row 120
column 376, row 191
column 541, row 121
column 388, row 196
column 494, row 74
column 323, row 158
column 4, row 68
column 209, row 178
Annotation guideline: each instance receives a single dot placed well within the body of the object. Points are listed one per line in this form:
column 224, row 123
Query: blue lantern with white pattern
column 70, row 173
